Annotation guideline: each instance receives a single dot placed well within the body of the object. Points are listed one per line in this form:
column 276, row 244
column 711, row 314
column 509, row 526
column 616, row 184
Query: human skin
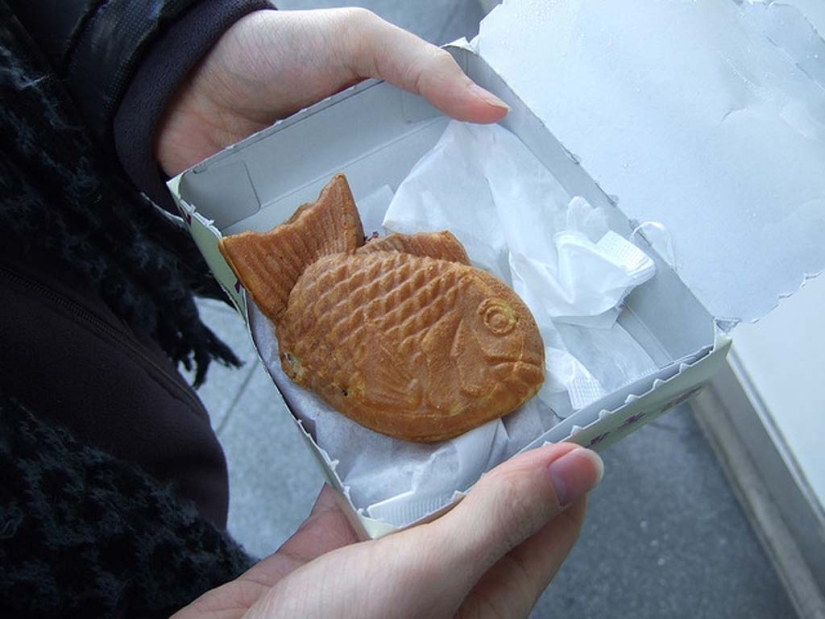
column 271, row 64
column 497, row 550
column 491, row 556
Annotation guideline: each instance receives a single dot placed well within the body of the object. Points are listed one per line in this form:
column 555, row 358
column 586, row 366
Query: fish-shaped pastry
column 400, row 334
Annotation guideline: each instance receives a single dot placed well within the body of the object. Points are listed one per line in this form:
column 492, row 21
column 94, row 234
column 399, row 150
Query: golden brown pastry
column 268, row 264
column 391, row 335
column 413, row 347
column 441, row 245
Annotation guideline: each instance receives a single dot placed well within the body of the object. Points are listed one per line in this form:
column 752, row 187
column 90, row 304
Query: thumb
column 511, row 503
column 381, row 50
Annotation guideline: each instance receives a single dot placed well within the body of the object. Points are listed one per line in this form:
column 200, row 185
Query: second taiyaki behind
column 401, row 335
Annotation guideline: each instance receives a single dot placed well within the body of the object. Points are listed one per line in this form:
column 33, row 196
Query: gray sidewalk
column 664, row 536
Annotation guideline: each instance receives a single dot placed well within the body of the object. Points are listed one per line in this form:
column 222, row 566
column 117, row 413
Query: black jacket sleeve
column 98, row 48
column 172, row 56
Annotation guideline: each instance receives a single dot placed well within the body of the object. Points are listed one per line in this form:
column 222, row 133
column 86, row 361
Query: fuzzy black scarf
column 83, row 534
column 61, row 194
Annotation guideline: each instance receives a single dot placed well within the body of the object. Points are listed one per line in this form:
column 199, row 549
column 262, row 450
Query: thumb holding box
column 495, row 553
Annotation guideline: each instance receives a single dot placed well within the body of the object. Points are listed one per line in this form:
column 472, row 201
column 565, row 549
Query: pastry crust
column 268, row 264
column 442, row 245
column 401, row 335
column 413, row 347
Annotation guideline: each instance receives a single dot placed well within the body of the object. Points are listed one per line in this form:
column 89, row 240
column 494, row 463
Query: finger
column 514, row 584
column 325, row 529
column 376, row 48
column 325, row 502
column 510, row 504
column 430, row 569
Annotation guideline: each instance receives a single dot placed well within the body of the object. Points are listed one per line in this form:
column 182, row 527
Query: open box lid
column 707, row 117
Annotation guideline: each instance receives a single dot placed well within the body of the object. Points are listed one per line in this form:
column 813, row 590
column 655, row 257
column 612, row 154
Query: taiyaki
column 401, row 334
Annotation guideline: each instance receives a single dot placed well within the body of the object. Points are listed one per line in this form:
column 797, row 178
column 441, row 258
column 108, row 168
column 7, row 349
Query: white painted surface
column 706, row 117
column 784, row 356
column 814, row 12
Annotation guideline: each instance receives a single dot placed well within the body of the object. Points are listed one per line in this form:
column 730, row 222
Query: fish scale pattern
column 345, row 297
column 402, row 343
column 400, row 334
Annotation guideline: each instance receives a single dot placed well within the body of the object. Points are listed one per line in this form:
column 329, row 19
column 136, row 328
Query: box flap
column 813, row 10
column 706, row 117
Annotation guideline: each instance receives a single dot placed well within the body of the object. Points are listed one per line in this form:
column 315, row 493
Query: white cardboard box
column 375, row 133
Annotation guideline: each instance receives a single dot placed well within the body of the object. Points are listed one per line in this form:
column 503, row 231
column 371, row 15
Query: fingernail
column 488, row 97
column 573, row 476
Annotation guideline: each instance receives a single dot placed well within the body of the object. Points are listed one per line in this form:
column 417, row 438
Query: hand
column 491, row 556
column 271, row 64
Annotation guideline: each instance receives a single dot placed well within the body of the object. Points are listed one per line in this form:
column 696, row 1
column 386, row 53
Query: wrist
column 163, row 69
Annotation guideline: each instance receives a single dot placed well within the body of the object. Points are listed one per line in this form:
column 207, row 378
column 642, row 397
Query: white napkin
column 517, row 221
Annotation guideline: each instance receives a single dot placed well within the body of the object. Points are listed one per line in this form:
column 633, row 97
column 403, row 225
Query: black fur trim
column 61, row 196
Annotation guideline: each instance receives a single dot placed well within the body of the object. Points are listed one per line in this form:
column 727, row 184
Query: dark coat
column 114, row 491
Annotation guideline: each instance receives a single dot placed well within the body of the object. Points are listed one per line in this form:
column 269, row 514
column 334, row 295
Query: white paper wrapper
column 516, row 221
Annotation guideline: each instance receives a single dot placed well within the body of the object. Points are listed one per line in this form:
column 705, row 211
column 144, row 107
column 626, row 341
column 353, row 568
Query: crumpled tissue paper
column 518, row 222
